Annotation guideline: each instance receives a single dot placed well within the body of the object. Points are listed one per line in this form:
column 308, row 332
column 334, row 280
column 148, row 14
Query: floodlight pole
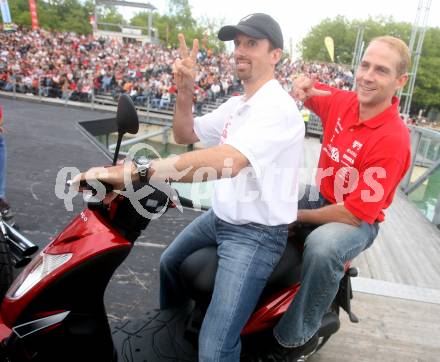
column 417, row 33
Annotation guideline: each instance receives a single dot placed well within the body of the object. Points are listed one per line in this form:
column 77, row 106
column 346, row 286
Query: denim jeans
column 247, row 256
column 327, row 248
column 2, row 165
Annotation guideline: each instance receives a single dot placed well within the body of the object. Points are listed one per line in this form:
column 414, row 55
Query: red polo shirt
column 361, row 164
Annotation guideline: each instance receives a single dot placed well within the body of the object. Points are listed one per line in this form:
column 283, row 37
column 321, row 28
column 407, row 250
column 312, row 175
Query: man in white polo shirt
column 253, row 148
column 258, row 137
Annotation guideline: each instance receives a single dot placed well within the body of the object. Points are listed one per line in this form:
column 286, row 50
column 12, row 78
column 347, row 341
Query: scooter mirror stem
column 118, row 145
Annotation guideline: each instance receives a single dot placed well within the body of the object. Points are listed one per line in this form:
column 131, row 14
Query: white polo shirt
column 269, row 131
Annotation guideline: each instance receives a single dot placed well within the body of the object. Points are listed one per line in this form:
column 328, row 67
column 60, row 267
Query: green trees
column 312, row 46
column 344, row 34
column 427, row 86
column 179, row 19
column 56, row 15
column 73, row 15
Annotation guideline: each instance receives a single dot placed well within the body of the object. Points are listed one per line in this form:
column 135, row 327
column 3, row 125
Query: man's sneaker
column 302, row 352
column 279, row 353
column 5, row 210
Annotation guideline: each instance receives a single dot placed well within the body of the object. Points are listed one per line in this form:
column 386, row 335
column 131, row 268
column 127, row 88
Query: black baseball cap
column 258, row 26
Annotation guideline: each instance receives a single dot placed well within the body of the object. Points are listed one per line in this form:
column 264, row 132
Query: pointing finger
column 320, row 92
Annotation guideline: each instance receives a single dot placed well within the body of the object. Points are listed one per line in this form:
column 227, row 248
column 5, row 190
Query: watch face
column 142, row 160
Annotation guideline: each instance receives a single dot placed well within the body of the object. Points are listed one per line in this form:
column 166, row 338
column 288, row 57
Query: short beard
column 243, row 76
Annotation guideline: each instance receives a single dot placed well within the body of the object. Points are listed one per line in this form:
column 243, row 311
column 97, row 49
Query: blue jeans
column 327, row 248
column 2, row 165
column 247, row 256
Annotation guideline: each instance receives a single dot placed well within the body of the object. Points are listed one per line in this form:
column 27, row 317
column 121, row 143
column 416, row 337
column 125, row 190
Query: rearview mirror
column 126, row 115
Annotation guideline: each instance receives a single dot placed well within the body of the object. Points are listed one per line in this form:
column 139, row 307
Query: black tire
column 156, row 336
column 6, row 270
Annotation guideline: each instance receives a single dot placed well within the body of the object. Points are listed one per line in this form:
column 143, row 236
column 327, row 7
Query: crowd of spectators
column 70, row 66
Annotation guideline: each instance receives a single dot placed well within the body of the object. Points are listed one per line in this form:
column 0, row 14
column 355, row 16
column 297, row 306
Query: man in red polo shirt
column 365, row 153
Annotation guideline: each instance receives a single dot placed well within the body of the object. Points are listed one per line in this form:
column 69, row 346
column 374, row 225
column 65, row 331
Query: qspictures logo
column 345, row 181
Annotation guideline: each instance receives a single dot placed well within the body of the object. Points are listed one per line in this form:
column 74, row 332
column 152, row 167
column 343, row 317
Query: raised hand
column 184, row 69
column 304, row 88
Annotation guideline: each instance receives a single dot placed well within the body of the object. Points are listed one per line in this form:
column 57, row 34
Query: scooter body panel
column 86, row 237
column 267, row 316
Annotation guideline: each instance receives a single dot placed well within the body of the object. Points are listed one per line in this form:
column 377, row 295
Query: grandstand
column 95, row 69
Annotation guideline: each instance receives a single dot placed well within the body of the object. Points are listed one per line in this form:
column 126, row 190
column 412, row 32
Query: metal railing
column 422, row 182
column 425, row 153
column 147, row 104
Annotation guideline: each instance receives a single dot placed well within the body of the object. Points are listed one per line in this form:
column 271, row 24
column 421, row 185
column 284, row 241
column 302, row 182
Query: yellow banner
column 330, row 45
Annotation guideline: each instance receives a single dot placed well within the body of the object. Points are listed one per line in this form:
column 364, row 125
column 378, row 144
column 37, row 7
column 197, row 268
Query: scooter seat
column 199, row 269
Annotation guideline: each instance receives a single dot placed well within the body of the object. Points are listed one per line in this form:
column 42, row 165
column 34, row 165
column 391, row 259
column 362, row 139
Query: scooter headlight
column 41, row 266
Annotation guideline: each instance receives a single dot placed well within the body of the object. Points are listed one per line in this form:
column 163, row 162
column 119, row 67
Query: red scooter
column 54, row 310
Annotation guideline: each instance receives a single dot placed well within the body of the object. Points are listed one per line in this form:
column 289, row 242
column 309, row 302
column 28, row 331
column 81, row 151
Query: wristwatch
column 142, row 165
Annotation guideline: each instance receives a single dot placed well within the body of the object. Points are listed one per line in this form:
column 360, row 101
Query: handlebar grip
column 190, row 204
column 86, row 186
column 24, row 246
column 186, row 202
